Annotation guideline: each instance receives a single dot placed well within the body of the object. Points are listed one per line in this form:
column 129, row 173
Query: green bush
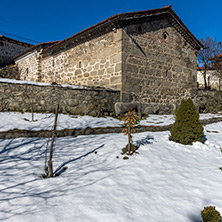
column 187, row 127
column 210, row 214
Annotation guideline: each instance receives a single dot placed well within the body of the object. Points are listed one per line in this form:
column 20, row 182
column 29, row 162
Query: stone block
column 115, row 80
column 104, row 82
column 129, row 68
column 78, row 71
column 107, row 51
column 110, row 70
column 118, row 67
column 101, row 72
column 115, row 58
column 93, row 73
column 118, row 35
column 86, row 74
column 123, row 107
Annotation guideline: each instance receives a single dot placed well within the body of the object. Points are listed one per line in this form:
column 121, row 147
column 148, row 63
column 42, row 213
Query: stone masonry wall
column 93, row 63
column 159, row 66
column 24, row 97
column 9, row 72
column 30, row 66
column 8, row 50
column 147, row 60
column 208, row 101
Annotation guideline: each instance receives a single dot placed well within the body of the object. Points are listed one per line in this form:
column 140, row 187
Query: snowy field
column 11, row 120
column 166, row 181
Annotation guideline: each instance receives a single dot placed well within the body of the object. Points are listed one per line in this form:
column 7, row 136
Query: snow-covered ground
column 11, row 120
column 166, row 181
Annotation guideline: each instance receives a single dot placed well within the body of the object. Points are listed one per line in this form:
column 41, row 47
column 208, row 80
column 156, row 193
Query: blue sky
column 50, row 20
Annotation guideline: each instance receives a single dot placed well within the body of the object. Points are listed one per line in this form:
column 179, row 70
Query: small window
column 1, row 43
column 165, row 35
column 80, row 64
column 139, row 29
column 27, row 70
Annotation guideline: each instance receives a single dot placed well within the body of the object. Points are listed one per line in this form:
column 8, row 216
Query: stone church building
column 149, row 56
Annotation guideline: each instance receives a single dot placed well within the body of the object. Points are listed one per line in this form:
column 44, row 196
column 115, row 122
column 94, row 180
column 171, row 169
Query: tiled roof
column 32, row 48
column 2, row 37
column 178, row 24
column 217, row 56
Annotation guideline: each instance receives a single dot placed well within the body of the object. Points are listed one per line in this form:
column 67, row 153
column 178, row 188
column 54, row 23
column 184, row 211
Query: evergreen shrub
column 210, row 214
column 187, row 127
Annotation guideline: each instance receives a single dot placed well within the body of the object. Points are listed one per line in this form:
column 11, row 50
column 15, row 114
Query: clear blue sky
column 50, row 20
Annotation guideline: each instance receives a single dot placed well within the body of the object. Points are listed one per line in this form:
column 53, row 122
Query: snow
column 12, row 120
column 39, row 83
column 166, row 181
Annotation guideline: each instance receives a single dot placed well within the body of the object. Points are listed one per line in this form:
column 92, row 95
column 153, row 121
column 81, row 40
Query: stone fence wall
column 10, row 72
column 208, row 101
column 85, row 101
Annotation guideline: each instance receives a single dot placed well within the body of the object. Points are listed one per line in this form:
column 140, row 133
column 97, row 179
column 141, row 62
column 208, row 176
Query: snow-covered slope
column 166, row 181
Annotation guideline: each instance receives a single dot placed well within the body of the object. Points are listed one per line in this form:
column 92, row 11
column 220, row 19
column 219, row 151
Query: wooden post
column 129, row 140
column 50, row 164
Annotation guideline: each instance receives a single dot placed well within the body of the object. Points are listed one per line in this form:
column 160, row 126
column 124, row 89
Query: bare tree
column 210, row 50
column 217, row 64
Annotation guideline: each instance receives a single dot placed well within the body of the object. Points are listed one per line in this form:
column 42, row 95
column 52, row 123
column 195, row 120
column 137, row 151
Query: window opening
column 165, row 35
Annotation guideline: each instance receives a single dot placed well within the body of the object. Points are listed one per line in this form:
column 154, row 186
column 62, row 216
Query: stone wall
column 8, row 50
column 159, row 66
column 94, row 63
column 147, row 60
column 24, row 97
column 208, row 101
column 30, row 66
column 9, row 72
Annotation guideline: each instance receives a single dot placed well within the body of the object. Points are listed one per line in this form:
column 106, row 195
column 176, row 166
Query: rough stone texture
column 157, row 70
column 30, row 66
column 143, row 108
column 93, row 63
column 10, row 72
column 9, row 49
column 24, row 97
column 149, row 61
column 208, row 101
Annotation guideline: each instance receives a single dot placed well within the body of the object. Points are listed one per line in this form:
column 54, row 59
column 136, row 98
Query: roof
column 35, row 47
column 111, row 21
column 2, row 37
column 219, row 56
column 203, row 69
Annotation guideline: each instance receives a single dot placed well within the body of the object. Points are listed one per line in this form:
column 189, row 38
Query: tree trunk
column 205, row 79
column 50, row 164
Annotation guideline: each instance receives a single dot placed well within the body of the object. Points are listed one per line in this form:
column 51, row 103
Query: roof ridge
column 15, row 40
column 35, row 46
